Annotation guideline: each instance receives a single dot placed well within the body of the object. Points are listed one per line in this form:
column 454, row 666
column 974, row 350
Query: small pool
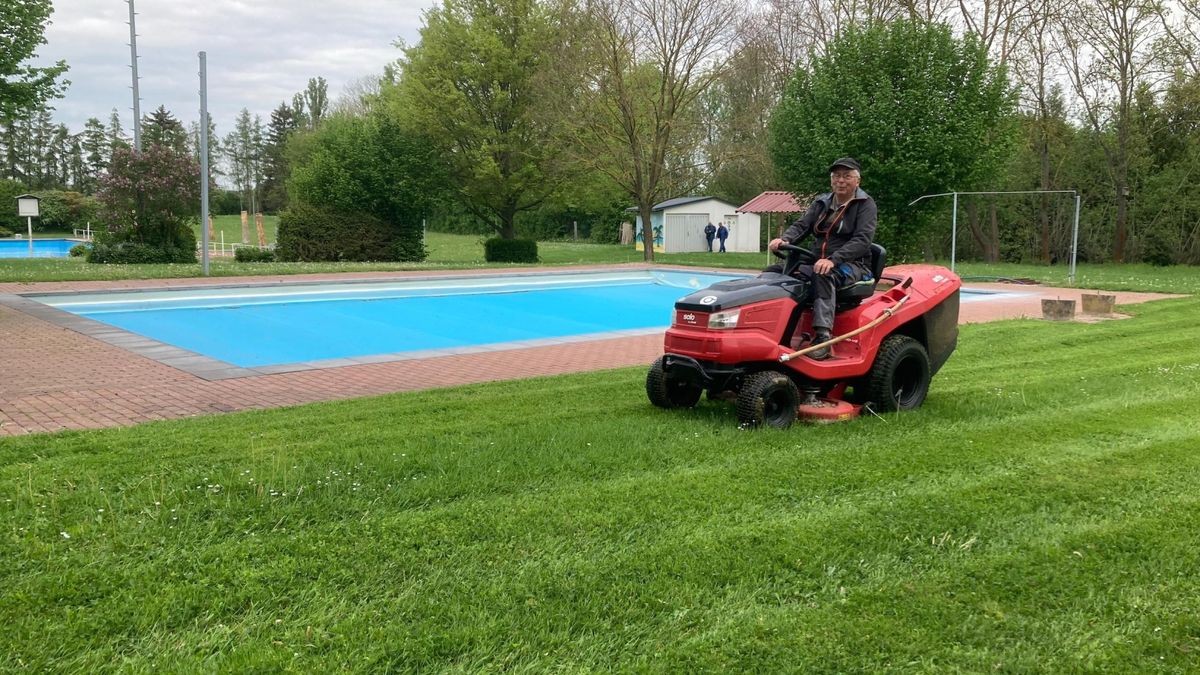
column 42, row 248
column 293, row 323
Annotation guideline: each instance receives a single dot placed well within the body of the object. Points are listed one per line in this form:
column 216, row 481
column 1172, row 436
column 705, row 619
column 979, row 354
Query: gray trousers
column 824, row 288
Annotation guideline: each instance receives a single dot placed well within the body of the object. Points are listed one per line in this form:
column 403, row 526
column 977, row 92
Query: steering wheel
column 785, row 251
column 794, row 256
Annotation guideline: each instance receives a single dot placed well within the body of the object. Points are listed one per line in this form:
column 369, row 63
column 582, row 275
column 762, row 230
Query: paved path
column 53, row 377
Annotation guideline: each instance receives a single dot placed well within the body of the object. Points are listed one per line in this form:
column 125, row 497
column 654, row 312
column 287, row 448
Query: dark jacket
column 849, row 240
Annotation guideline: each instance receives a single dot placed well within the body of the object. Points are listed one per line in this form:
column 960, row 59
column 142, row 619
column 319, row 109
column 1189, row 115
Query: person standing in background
column 709, row 233
column 722, row 234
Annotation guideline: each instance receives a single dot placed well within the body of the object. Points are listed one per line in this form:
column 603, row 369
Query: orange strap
column 837, row 218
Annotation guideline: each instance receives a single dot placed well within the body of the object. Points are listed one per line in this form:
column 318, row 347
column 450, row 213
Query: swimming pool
column 217, row 332
column 42, row 248
column 259, row 326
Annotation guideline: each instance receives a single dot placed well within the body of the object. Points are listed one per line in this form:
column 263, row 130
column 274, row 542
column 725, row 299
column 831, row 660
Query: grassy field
column 1039, row 513
column 231, row 228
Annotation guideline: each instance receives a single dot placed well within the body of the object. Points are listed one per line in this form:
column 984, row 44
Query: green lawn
column 1039, row 513
column 231, row 228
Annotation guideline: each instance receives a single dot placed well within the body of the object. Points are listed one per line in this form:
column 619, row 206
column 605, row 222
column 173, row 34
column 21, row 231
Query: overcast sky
column 259, row 53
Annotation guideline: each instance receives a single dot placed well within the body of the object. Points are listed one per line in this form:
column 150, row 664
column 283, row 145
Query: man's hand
column 775, row 244
column 823, row 266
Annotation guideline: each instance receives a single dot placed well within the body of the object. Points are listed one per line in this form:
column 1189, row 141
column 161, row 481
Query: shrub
column 79, row 250
column 510, row 250
column 9, row 191
column 310, row 233
column 5, row 232
column 410, row 250
column 65, row 210
column 226, row 202
column 148, row 200
column 606, row 232
column 138, row 253
column 253, row 254
column 1159, row 251
column 368, row 168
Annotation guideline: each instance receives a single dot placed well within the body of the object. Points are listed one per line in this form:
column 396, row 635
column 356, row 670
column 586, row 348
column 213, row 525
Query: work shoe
column 822, row 353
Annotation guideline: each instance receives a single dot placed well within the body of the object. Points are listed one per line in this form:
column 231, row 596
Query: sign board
column 27, row 206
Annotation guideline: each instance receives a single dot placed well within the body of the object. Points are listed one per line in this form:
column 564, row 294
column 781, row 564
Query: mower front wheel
column 899, row 379
column 666, row 391
column 768, row 399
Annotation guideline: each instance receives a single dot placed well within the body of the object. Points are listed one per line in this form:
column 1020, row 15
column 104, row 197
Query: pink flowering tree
column 149, row 201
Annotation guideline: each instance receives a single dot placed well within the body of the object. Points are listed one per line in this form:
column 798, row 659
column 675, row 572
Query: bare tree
column 927, row 10
column 796, row 29
column 1036, row 66
column 645, row 63
column 1183, row 32
column 999, row 24
column 358, row 96
column 1109, row 45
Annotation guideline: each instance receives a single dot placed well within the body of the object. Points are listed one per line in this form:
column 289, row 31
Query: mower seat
column 853, row 294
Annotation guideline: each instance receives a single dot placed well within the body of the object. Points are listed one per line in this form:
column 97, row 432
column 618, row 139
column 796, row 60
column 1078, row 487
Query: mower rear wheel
column 667, row 391
column 899, row 379
column 768, row 399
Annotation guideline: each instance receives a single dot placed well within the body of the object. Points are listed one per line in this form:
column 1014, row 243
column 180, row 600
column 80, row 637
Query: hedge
column 510, row 250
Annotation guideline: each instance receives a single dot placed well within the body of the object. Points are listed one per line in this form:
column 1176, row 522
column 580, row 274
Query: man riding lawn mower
column 876, row 336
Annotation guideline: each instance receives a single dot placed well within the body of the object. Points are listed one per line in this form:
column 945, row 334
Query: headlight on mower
column 723, row 320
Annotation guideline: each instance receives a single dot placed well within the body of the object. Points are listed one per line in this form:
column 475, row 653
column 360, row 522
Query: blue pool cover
column 257, row 326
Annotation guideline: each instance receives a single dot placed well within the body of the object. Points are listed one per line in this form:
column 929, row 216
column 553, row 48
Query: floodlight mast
column 133, row 59
column 954, row 219
column 204, row 236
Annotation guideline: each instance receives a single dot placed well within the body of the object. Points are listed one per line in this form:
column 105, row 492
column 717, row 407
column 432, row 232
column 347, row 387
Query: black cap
column 847, row 162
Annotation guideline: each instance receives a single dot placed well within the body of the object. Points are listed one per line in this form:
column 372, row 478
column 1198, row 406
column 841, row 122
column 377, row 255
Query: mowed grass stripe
column 477, row 528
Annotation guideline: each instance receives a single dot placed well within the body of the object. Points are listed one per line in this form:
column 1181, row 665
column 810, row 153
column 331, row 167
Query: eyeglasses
column 842, row 175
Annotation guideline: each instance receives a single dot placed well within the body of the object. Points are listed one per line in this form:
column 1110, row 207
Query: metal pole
column 137, row 106
column 1074, row 240
column 29, row 226
column 204, row 162
column 954, row 233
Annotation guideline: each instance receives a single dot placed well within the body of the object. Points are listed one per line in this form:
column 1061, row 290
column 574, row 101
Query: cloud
column 259, row 53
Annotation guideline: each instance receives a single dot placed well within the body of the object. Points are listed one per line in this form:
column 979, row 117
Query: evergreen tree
column 116, row 135
column 42, row 159
column 10, row 157
column 96, row 152
column 76, row 165
column 161, row 128
column 59, row 163
column 276, row 170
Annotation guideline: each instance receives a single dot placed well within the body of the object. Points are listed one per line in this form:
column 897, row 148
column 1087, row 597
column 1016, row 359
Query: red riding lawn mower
column 741, row 339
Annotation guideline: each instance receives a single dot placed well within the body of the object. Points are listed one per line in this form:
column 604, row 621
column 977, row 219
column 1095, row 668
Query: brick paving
column 53, row 377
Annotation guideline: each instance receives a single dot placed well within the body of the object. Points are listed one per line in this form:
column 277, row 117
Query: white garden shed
column 678, row 226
